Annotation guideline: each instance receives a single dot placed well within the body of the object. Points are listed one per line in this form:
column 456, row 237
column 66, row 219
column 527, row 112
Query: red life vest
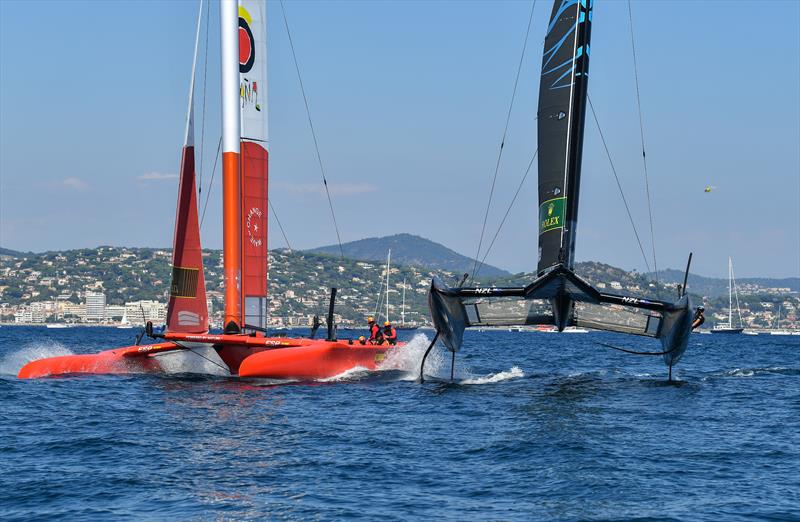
column 390, row 334
column 375, row 332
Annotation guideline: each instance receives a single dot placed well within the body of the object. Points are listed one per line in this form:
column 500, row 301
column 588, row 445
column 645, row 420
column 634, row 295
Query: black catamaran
column 558, row 296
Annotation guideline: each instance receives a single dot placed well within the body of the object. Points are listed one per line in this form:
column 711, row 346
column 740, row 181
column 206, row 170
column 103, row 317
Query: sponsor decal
column 247, row 44
column 379, row 357
column 186, row 318
column 248, row 90
column 551, row 214
column 254, row 227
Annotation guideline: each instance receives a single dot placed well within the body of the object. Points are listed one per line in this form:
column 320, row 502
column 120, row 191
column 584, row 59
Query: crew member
column 389, row 333
column 362, row 340
column 699, row 317
column 375, row 334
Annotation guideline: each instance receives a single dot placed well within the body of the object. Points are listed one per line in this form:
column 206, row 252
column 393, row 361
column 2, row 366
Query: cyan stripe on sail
column 553, row 50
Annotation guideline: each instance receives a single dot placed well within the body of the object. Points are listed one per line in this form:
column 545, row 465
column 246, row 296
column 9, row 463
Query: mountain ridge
column 409, row 250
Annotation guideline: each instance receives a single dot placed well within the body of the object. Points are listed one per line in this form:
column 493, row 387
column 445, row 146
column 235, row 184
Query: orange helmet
column 370, row 319
column 387, row 323
column 362, row 338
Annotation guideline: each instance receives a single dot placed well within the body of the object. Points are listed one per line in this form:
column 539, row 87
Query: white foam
column 14, row 361
column 437, row 365
column 200, row 360
column 514, row 373
column 352, row 374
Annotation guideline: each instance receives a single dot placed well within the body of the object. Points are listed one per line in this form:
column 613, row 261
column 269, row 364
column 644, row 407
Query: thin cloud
column 156, row 176
column 73, row 183
column 343, row 189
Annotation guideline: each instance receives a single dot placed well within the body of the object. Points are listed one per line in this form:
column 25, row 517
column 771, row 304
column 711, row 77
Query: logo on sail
column 253, row 223
column 551, row 214
column 186, row 318
column 247, row 44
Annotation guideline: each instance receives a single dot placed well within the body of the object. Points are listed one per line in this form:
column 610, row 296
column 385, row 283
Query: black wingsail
column 562, row 108
column 558, row 296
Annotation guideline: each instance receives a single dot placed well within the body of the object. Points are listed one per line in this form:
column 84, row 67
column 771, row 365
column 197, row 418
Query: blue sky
column 409, row 101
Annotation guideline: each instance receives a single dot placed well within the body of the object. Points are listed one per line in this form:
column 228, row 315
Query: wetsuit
column 390, row 334
column 699, row 318
column 375, row 335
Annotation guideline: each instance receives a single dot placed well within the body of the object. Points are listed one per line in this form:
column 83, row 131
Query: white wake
column 14, row 361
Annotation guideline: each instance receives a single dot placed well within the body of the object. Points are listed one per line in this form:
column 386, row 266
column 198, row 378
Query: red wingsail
column 254, row 159
column 187, row 310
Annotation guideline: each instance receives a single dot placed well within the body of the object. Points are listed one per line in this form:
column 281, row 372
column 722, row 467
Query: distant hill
column 718, row 286
column 410, row 250
column 9, row 252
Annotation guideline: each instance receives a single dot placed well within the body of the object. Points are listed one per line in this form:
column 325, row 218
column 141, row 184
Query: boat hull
column 319, row 360
column 129, row 359
column 247, row 356
column 727, row 330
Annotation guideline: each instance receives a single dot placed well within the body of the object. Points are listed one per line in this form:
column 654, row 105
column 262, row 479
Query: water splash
column 514, row 373
column 200, row 360
column 14, row 361
column 353, row 374
column 437, row 365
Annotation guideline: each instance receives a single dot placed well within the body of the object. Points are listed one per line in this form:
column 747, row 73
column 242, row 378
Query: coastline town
column 117, row 286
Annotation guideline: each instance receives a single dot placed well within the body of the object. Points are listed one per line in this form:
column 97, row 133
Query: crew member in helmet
column 375, row 334
column 362, row 340
column 389, row 333
column 699, row 317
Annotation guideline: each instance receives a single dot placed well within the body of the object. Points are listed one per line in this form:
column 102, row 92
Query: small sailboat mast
column 388, row 267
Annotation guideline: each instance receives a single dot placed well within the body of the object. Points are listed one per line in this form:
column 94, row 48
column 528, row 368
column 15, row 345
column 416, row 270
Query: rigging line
column 311, row 125
column 508, row 210
column 619, row 185
column 644, row 155
column 503, row 141
column 279, row 224
column 205, row 86
column 176, row 343
column 210, row 183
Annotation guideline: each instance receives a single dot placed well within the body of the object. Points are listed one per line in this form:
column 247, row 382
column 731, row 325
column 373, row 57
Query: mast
column 561, row 115
column 244, row 162
column 403, row 309
column 231, row 232
column 730, row 300
column 388, row 262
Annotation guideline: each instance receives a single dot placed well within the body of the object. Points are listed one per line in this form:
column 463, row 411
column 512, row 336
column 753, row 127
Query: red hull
column 130, row 359
column 276, row 358
column 319, row 360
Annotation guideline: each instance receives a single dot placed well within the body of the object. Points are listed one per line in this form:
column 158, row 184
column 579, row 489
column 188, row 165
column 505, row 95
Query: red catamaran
column 243, row 349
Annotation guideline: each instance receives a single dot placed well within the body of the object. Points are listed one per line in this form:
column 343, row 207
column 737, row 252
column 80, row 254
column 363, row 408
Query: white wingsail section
column 254, row 159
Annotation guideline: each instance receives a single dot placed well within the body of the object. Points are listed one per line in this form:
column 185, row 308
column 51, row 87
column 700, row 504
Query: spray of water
column 199, row 360
column 14, row 361
column 437, row 365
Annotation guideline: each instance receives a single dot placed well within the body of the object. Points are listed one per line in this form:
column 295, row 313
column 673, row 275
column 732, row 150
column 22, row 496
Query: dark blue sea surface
column 535, row 426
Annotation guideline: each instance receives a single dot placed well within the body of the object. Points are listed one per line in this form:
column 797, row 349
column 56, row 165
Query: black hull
column 727, row 331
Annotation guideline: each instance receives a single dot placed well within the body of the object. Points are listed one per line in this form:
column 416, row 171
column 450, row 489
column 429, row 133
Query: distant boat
column 779, row 331
column 403, row 325
column 58, row 325
column 729, row 328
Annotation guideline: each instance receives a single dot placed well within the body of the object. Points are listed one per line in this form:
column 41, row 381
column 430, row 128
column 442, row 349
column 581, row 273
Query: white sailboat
column 728, row 328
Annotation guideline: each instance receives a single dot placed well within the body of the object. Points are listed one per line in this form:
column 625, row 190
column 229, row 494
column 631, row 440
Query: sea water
column 533, row 426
